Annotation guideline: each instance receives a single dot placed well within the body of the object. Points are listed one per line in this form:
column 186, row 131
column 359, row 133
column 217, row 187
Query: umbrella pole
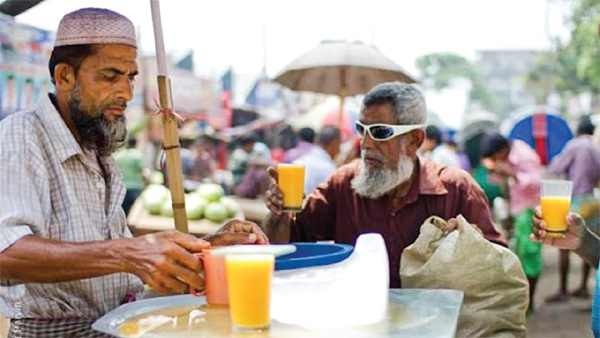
column 170, row 125
column 342, row 95
column 341, row 116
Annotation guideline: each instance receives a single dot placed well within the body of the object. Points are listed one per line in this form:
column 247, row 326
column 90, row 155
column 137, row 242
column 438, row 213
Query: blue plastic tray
column 313, row 254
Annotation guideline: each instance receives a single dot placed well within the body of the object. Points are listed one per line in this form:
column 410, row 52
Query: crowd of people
column 67, row 256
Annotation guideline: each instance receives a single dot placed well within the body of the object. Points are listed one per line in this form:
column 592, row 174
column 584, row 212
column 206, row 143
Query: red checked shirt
column 335, row 212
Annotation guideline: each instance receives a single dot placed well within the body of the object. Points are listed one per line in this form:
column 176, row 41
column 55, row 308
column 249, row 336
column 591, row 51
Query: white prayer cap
column 95, row 26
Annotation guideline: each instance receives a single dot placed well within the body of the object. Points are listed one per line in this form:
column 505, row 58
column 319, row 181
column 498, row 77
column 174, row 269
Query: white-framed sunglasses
column 384, row 132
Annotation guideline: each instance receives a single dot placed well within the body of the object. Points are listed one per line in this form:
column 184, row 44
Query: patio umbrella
column 341, row 68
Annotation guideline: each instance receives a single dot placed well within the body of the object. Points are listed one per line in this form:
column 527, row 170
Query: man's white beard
column 373, row 184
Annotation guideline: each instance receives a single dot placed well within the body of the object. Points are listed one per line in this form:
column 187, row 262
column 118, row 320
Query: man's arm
column 277, row 227
column 164, row 261
column 38, row 260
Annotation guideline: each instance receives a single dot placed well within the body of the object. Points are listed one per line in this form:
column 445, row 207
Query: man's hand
column 165, row 261
column 452, row 224
column 236, row 231
column 274, row 195
column 572, row 238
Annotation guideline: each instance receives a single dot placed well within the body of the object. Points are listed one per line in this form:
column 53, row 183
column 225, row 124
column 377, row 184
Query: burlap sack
column 491, row 276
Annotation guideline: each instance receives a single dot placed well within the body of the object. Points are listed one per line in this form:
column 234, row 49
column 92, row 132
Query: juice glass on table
column 555, row 203
column 215, row 279
column 249, row 281
column 291, row 183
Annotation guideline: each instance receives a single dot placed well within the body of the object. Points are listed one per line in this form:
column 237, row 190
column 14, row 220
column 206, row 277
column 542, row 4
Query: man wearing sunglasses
column 389, row 190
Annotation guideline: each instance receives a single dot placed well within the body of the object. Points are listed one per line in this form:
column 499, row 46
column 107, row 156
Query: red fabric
column 540, row 133
column 335, row 212
column 333, row 119
column 226, row 108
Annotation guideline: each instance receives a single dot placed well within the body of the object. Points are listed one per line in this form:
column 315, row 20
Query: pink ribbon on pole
column 168, row 112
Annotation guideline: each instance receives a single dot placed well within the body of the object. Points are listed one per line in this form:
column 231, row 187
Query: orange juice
column 249, row 281
column 554, row 212
column 291, row 182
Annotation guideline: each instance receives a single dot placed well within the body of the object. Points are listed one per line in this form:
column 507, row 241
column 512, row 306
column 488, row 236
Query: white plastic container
column 350, row 293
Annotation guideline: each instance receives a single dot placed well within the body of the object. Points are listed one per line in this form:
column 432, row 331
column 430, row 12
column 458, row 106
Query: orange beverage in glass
column 291, row 182
column 556, row 203
column 249, row 280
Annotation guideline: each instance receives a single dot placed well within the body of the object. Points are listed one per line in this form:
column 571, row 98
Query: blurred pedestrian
column 579, row 162
column 135, row 174
column 434, row 149
column 319, row 162
column 354, row 152
column 307, row 138
column 204, row 163
column 238, row 160
column 518, row 163
column 256, row 180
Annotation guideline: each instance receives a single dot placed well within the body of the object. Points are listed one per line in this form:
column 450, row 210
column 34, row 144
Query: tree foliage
column 439, row 69
column 572, row 65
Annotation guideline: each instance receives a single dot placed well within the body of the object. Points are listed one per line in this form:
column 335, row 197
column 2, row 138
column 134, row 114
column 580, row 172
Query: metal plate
column 412, row 313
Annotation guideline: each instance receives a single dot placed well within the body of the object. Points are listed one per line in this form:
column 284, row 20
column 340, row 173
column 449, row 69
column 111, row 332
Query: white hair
column 408, row 102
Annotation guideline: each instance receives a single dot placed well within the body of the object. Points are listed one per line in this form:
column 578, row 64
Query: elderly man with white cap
column 66, row 254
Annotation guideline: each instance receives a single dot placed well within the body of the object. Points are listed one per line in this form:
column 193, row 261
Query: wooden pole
column 342, row 96
column 170, row 125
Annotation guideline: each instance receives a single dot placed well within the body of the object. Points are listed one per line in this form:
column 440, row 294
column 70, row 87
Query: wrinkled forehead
column 378, row 113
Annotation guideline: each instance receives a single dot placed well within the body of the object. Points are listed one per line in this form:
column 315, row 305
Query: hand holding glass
column 555, row 203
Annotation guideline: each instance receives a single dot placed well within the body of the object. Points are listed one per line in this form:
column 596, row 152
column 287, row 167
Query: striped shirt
column 51, row 189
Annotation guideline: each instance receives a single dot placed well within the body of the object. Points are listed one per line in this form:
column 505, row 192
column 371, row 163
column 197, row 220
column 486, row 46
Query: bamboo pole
column 170, row 125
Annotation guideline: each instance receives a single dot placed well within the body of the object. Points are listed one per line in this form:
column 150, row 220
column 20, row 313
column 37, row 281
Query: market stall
column 143, row 222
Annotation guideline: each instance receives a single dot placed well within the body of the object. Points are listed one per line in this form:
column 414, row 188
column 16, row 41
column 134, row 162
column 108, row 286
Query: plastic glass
column 291, row 182
column 215, row 279
column 249, row 280
column 556, row 203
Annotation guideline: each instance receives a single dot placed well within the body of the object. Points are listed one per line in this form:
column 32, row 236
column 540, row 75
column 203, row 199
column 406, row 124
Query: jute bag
column 491, row 276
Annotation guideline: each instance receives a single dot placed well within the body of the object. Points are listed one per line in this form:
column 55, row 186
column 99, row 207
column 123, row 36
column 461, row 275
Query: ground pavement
column 564, row 320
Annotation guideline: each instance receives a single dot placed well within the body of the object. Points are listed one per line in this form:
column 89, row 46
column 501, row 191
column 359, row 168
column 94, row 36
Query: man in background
column 579, row 162
column 319, row 162
column 518, row 163
column 238, row 161
column 438, row 152
column 307, row 137
column 135, row 175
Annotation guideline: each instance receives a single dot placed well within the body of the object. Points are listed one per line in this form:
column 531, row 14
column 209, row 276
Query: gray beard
column 376, row 183
column 95, row 131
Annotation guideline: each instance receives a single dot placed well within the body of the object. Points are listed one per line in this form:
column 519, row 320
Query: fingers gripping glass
column 384, row 132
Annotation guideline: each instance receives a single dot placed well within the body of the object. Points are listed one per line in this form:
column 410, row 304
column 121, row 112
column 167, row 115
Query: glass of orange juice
column 249, row 281
column 555, row 203
column 291, row 182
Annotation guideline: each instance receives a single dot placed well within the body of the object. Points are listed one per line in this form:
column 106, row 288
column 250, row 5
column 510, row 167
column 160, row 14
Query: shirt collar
column 428, row 182
column 61, row 138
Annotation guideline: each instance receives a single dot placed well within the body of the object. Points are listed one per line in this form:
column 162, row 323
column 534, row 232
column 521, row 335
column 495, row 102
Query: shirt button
column 99, row 185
